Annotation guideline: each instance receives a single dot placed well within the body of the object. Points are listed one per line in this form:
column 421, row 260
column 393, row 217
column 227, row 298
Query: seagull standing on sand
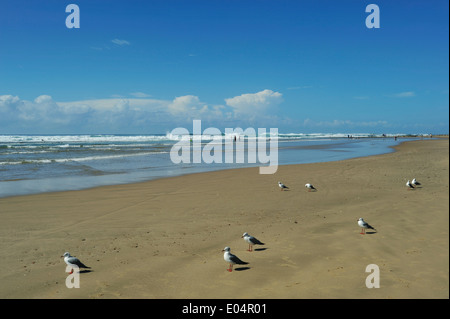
column 73, row 261
column 251, row 241
column 364, row 226
column 410, row 186
column 232, row 259
column 282, row 186
column 310, row 187
column 415, row 182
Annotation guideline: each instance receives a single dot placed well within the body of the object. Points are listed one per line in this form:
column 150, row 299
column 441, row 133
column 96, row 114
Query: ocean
column 31, row 164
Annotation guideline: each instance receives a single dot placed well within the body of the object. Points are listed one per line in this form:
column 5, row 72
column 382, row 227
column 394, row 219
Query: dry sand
column 163, row 238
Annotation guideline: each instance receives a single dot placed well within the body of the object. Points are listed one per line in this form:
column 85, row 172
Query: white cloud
column 119, row 114
column 254, row 103
column 185, row 105
column 43, row 108
column 404, row 94
column 115, row 105
column 7, row 102
column 189, row 107
column 140, row 94
column 43, row 99
column 120, row 42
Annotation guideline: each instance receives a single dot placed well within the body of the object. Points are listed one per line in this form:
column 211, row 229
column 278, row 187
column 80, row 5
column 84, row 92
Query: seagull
column 415, row 182
column 251, row 241
column 364, row 226
column 310, row 187
column 232, row 259
column 71, row 261
column 282, row 186
column 408, row 183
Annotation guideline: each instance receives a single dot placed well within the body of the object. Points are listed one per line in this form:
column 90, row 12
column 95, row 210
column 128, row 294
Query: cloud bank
column 142, row 114
column 119, row 114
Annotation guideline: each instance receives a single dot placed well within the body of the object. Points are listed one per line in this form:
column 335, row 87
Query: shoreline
column 141, row 239
column 71, row 186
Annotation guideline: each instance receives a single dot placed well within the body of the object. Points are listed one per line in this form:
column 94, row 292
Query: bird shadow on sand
column 85, row 271
column 241, row 268
column 370, row 232
column 260, row 249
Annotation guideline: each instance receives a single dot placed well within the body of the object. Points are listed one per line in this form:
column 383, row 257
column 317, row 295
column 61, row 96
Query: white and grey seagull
column 232, row 259
column 282, row 186
column 364, row 226
column 251, row 241
column 310, row 187
column 415, row 182
column 73, row 261
column 409, row 184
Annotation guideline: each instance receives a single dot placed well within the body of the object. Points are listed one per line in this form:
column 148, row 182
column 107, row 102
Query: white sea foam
column 108, row 139
column 78, row 159
column 80, row 138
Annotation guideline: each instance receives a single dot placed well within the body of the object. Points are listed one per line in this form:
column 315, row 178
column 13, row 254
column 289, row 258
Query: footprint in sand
column 289, row 263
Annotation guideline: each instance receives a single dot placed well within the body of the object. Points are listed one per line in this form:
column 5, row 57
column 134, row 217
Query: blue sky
column 146, row 67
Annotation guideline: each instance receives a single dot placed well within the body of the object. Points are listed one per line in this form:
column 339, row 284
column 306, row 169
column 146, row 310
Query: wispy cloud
column 98, row 48
column 404, row 94
column 140, row 94
column 300, row 87
column 120, row 42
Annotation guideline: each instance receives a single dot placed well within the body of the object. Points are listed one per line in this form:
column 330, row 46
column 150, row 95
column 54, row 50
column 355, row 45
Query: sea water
column 32, row 164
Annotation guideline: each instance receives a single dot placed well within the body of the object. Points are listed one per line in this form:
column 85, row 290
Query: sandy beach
column 163, row 239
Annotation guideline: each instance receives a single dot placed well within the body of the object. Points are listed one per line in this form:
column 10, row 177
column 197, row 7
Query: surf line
column 189, row 148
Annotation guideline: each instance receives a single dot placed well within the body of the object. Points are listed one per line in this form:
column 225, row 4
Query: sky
column 148, row 67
